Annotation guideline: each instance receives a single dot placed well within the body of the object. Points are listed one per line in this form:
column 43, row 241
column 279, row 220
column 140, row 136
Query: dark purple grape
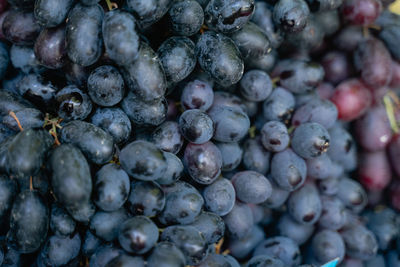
column 323, row 5
column 197, row 95
column 50, row 48
column 145, row 77
column 255, row 85
column 182, row 205
column 83, row 34
column 329, row 21
column 360, row 242
column 239, row 221
column 51, row 13
column 304, row 205
column 219, row 57
column 327, row 245
column 310, row 140
column 60, row 250
column 146, row 198
column 241, row 248
column 219, row 197
column 282, row 248
column 114, row 121
column 229, row 15
column 121, row 39
column 186, row 17
column 138, row 235
column 210, row 225
column 73, row 103
column 348, row 38
column 29, row 222
column 291, row 16
column 294, row 230
column 264, row 261
column 20, row 27
column 167, row 137
column 143, row 160
column 196, row 126
column 61, row 223
column 255, row 156
column 96, row 144
column 174, row 169
column 203, row 162
column 251, row 187
column 352, row 194
column 274, row 136
column 333, row 214
column 278, row 196
column 288, row 170
column 361, row 12
column 148, row 12
column 189, row 240
column 106, row 225
column 279, row 105
column 383, row 223
column 319, row 167
column 310, row 38
column 166, row 254
column 106, row 86
column 337, row 67
column 231, row 155
column 8, row 192
column 316, row 110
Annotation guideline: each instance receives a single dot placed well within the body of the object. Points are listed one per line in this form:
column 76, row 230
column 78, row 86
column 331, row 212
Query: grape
column 29, row 222
column 219, row 197
column 319, row 167
column 83, row 34
column 219, row 57
column 186, row 17
column 241, row 248
column 279, row 105
column 274, row 136
column 384, row 225
column 342, row 148
column 327, row 245
column 316, row 110
column 360, row 242
column 143, row 160
column 4, row 59
column 210, row 225
column 197, row 95
column 183, row 203
column 189, row 240
column 114, row 121
column 96, row 144
column 51, row 13
column 291, row 16
column 106, row 86
column 251, row 41
column 90, row 244
column 8, row 191
column 278, row 196
column 310, row 140
column 167, row 137
column 105, row 254
column 251, row 187
column 174, row 169
column 288, row 170
column 290, row 228
column 333, row 214
column 231, row 155
column 329, row 20
column 390, row 36
column 231, row 125
column 178, row 58
column 60, row 250
column 166, row 254
column 144, row 113
column 264, row 260
column 304, row 205
column 61, row 222
column 352, row 194
column 148, row 12
column 374, row 61
column 361, row 12
column 26, row 152
column 34, row 88
column 106, row 225
column 196, row 126
column 23, row 57
column 73, row 103
column 146, row 198
column 125, row 260
column 239, row 221
column 323, row 5
column 121, row 39
column 228, row 15
column 255, row 85
column 145, row 77
column 337, row 67
column 28, row 118
column 20, row 27
column 138, row 235
column 374, row 170
column 50, row 48
column 255, row 156
column 203, row 162
column 311, row 37
column 282, row 248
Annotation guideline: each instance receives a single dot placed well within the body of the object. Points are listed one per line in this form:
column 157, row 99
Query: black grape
column 50, row 48
column 50, row 13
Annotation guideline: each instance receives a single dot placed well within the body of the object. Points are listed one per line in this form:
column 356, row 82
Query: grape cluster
column 209, row 133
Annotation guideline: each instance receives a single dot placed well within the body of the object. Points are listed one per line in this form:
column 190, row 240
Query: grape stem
column 30, row 183
column 54, row 123
column 387, row 101
column 12, row 114
column 111, row 5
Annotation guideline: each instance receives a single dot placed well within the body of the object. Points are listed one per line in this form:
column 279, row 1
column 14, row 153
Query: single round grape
column 106, row 86
column 20, row 27
column 231, row 155
column 60, row 250
column 186, row 17
column 167, row 137
column 138, row 235
column 279, row 105
column 61, row 222
column 360, row 242
column 51, row 13
column 316, row 110
column 210, row 225
column 333, row 214
column 255, row 85
column 291, row 16
column 166, row 254
column 255, row 156
column 219, row 197
column 197, row 95
column 148, row 12
column 290, row 228
column 196, row 126
column 304, row 205
column 73, row 103
column 239, row 221
column 327, row 245
column 352, row 194
column 251, row 187
column 146, row 198
column 310, row 140
column 106, row 224
column 275, row 136
column 50, row 49
column 203, row 162
column 174, row 169
column 282, row 248
column 361, row 12
column 241, row 248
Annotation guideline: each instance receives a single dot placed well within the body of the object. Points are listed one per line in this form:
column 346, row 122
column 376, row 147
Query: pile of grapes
column 209, row 133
